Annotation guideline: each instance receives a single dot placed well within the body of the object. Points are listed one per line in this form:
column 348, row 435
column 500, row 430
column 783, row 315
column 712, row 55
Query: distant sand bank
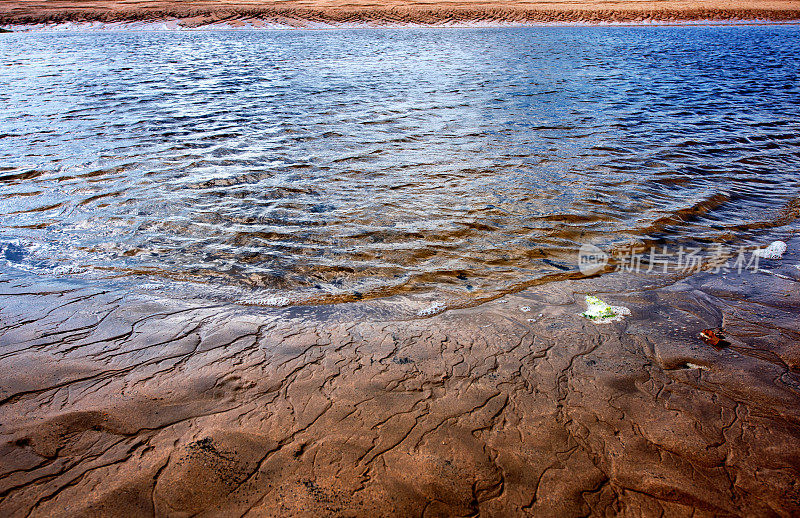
column 308, row 13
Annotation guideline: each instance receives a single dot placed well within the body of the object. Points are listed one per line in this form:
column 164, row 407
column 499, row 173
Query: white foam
column 775, row 250
column 67, row 269
column 272, row 301
column 151, row 286
column 433, row 309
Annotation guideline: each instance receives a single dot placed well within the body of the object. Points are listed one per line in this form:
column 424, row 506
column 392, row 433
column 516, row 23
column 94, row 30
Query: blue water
column 335, row 165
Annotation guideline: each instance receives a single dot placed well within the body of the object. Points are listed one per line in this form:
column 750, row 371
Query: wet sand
column 132, row 404
column 304, row 12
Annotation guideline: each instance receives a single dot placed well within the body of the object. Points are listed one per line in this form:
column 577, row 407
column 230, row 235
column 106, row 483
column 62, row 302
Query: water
column 325, row 166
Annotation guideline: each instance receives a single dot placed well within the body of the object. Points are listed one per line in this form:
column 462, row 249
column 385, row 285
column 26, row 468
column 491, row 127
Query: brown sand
column 124, row 404
column 298, row 12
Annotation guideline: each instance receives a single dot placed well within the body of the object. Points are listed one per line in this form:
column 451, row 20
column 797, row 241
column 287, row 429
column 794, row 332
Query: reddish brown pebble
column 712, row 337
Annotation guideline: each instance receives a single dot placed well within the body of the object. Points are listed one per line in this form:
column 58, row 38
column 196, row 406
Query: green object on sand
column 599, row 311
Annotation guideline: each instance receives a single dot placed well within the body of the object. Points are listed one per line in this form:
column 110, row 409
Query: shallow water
column 325, row 166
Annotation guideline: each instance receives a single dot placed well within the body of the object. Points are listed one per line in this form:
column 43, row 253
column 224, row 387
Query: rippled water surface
column 335, row 165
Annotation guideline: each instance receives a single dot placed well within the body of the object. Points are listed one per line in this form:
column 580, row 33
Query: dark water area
column 328, row 166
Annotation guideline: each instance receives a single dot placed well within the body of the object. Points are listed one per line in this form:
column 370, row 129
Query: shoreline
column 174, row 25
column 124, row 403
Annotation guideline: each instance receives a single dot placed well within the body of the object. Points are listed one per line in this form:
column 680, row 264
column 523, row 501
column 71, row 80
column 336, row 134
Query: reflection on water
column 336, row 165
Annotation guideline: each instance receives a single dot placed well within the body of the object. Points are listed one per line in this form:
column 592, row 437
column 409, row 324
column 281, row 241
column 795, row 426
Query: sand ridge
column 303, row 12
